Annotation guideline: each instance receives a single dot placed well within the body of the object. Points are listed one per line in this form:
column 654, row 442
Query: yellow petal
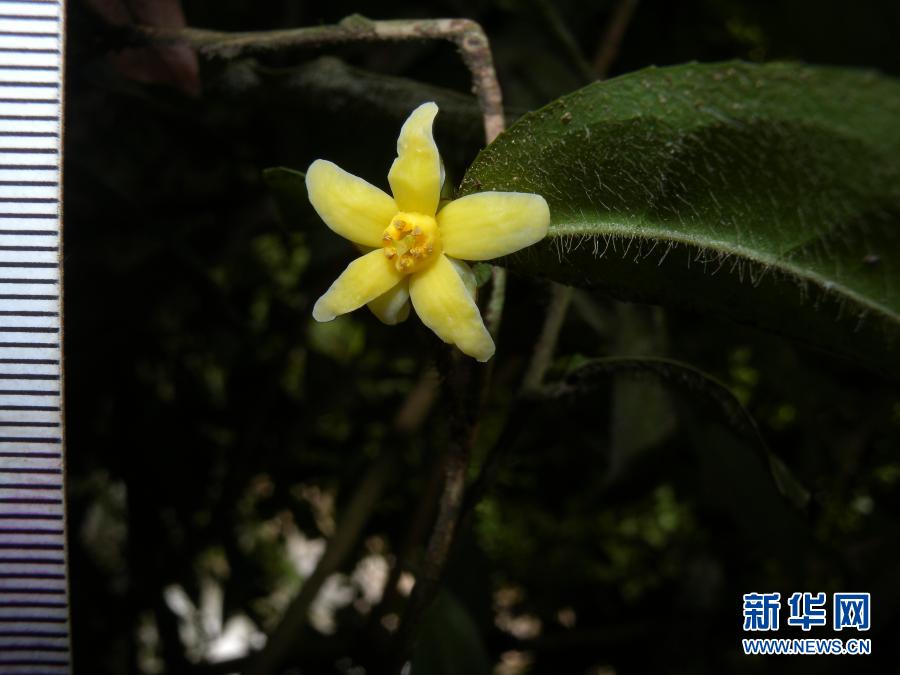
column 365, row 279
column 416, row 174
column 445, row 306
column 392, row 307
column 491, row 224
column 350, row 206
column 466, row 274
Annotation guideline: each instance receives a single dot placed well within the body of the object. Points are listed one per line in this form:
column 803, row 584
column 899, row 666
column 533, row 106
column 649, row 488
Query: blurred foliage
column 215, row 432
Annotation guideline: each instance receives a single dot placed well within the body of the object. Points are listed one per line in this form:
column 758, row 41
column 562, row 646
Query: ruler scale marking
column 34, row 612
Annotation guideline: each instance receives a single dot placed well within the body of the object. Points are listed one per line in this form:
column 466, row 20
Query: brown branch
column 417, row 404
column 466, row 34
column 284, row 640
column 468, row 387
column 450, row 470
column 289, row 633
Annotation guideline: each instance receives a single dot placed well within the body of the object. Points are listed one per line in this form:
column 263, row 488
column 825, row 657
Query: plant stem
column 284, row 640
column 493, row 313
column 542, row 356
column 452, row 469
column 286, row 637
column 564, row 38
column 417, row 404
column 546, row 344
column 529, row 390
column 467, row 386
column 612, row 37
column 466, row 34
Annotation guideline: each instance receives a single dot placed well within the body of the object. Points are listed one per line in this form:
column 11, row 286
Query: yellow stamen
column 412, row 240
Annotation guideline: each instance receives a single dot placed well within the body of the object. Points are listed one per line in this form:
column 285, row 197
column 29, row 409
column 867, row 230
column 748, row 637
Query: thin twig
column 286, row 636
column 524, row 402
column 542, row 356
column 546, row 344
column 451, row 471
column 560, row 32
column 468, row 387
column 612, row 37
column 284, row 639
column 493, row 313
column 465, row 386
column 418, row 403
column 466, row 34
column 456, row 505
column 421, row 519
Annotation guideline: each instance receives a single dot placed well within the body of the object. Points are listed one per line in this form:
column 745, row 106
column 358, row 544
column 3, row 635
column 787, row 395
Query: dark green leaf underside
column 767, row 193
column 701, row 389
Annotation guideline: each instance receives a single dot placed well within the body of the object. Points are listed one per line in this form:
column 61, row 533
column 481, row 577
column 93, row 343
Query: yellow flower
column 417, row 250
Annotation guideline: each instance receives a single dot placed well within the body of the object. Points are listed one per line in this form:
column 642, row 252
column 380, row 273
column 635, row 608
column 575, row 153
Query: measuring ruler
column 34, row 615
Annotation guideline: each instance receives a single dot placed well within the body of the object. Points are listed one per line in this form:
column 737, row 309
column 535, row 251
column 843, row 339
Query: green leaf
column 739, row 448
column 768, row 193
column 449, row 642
column 641, row 416
column 736, row 471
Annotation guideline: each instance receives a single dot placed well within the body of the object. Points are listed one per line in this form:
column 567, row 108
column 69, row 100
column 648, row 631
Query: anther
column 410, row 240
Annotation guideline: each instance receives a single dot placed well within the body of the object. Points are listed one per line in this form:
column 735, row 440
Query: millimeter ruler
column 34, row 615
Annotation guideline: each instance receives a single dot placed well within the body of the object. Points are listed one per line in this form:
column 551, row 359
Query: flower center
column 412, row 241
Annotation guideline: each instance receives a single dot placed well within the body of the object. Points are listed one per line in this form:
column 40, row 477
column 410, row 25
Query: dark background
column 209, row 419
